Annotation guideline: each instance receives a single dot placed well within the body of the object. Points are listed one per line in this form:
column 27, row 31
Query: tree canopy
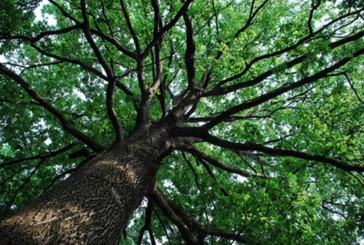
column 268, row 99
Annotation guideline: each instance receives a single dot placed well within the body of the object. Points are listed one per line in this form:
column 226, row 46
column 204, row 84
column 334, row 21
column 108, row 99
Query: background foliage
column 299, row 201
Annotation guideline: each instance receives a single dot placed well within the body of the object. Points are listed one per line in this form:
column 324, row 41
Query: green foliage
column 16, row 14
column 301, row 201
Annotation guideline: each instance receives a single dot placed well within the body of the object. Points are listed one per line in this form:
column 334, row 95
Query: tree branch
column 72, row 61
column 67, row 125
column 100, row 34
column 281, row 90
column 40, row 35
column 352, row 87
column 190, row 51
column 225, row 90
column 39, row 156
column 164, row 227
column 217, row 163
column 294, row 46
column 201, row 133
column 218, row 90
column 106, row 18
column 162, row 97
column 130, row 27
column 192, row 170
column 166, row 28
column 147, row 224
column 313, row 8
column 280, row 152
column 252, row 16
column 42, row 161
column 163, row 204
column 172, row 211
column 157, row 28
column 110, row 74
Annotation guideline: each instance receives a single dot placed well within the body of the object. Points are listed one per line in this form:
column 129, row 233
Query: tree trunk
column 93, row 205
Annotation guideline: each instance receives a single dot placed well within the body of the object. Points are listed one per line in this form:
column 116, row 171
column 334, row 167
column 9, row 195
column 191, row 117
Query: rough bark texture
column 93, row 205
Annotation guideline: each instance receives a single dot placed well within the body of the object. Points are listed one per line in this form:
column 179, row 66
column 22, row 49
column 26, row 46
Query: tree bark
column 93, row 205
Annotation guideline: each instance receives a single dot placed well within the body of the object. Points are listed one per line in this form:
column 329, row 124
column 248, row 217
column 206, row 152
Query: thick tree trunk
column 93, row 205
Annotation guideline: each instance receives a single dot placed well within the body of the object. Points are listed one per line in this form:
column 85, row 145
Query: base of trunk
column 93, row 205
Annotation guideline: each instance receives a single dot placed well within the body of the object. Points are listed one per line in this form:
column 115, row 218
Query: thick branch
column 190, row 51
column 142, row 116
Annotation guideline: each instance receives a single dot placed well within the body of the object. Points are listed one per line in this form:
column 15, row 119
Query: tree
column 235, row 121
